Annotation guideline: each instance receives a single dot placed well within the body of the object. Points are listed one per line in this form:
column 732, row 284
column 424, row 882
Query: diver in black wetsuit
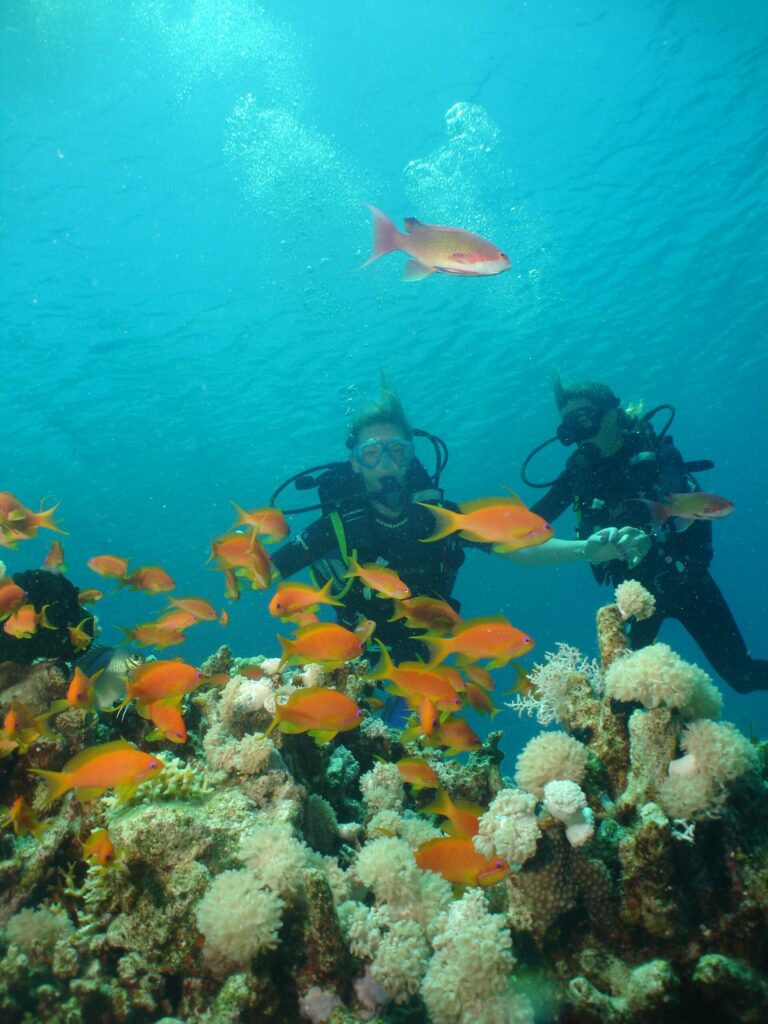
column 378, row 520
column 618, row 459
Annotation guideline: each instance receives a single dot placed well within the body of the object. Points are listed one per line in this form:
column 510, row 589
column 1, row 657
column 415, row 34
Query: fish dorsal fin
column 412, row 224
column 86, row 756
column 515, row 497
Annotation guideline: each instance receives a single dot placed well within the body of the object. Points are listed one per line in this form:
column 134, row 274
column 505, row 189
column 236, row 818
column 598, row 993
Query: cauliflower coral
column 716, row 753
column 656, row 675
column 549, row 757
column 468, row 978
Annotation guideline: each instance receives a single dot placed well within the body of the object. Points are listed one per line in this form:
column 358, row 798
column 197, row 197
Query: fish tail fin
column 327, row 597
column 440, row 803
column 286, row 647
column 44, row 618
column 446, row 521
column 439, row 648
column 659, row 512
column 44, row 519
column 386, row 237
column 385, row 667
column 56, row 784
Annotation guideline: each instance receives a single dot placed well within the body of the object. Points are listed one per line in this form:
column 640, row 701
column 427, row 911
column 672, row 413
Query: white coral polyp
column 716, row 753
column 468, row 978
column 656, row 675
column 509, row 828
column 634, row 601
column 566, row 801
column 552, row 755
column 238, row 918
column 275, row 857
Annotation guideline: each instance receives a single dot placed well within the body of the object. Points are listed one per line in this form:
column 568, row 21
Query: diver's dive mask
column 582, row 424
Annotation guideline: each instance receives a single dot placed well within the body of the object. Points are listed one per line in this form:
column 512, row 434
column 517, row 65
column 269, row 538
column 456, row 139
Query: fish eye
column 154, row 764
column 107, row 856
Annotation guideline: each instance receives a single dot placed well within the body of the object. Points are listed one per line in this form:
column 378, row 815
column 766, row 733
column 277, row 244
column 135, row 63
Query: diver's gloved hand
column 626, row 543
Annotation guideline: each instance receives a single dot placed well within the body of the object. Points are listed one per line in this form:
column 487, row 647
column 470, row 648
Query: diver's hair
column 387, row 408
column 591, row 391
column 599, row 395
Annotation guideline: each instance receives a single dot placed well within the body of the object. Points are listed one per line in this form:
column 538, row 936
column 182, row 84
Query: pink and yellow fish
column 435, row 248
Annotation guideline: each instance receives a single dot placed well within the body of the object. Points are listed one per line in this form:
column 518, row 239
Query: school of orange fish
column 435, row 692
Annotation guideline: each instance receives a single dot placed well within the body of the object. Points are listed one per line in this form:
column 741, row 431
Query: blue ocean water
column 182, row 189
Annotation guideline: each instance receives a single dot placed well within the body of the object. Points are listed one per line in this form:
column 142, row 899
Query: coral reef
column 273, row 879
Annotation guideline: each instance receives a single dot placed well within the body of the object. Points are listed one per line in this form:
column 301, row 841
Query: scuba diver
column 620, row 467
column 370, row 512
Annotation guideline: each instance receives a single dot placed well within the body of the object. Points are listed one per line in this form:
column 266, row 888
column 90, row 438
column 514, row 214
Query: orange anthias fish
column 19, row 815
column 99, row 849
column 480, row 676
column 478, row 698
column 118, row 765
column 435, row 248
column 90, row 596
column 455, row 734
column 415, row 681
column 457, row 860
column 109, row 566
column 319, row 711
column 17, row 522
column 54, row 560
column 462, row 816
column 504, row 522
column 293, row 598
column 326, row 643
column 688, row 507
column 151, row 578
column 80, row 692
column 158, row 680
column 244, row 553
column 23, row 623
column 231, row 585
column 79, row 635
column 197, row 607
column 426, row 613
column 269, row 523
column 150, row 634
column 418, row 773
column 383, row 581
column 167, row 718
column 21, row 728
column 175, row 621
column 11, row 597
column 492, row 637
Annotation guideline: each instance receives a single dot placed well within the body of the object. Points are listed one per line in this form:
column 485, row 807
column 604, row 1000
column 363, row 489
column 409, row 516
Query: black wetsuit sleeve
column 557, row 499
column 313, row 544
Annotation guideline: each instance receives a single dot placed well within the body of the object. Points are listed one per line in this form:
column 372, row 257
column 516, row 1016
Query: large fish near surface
column 111, row 685
column 433, row 248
